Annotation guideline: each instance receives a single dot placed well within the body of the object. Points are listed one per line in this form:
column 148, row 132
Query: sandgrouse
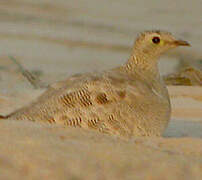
column 130, row 100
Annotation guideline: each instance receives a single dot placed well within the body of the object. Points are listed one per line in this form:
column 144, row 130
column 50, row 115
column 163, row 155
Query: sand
column 55, row 39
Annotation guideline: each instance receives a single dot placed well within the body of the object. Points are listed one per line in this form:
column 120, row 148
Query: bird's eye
column 156, row 40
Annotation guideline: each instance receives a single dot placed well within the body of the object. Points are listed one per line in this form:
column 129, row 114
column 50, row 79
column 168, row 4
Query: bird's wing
column 52, row 88
column 90, row 101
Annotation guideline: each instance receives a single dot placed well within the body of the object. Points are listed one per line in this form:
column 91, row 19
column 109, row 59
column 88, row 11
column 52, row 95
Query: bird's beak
column 181, row 43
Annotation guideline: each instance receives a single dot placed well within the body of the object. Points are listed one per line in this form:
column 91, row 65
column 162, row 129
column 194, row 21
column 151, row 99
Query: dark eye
column 156, row 40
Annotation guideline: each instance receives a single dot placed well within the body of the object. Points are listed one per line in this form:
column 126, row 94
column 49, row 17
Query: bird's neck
column 143, row 63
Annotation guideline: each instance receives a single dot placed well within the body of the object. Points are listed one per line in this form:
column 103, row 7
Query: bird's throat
column 143, row 64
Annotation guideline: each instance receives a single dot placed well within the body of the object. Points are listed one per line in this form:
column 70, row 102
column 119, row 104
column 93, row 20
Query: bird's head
column 154, row 43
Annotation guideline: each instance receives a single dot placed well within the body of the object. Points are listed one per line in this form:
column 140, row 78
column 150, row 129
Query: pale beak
column 181, row 43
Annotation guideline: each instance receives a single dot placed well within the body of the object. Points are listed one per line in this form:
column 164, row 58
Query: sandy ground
column 55, row 39
column 33, row 151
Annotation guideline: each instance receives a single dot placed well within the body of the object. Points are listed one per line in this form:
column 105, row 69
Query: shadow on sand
column 180, row 128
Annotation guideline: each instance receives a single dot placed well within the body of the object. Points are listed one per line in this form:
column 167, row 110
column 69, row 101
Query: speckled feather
column 108, row 102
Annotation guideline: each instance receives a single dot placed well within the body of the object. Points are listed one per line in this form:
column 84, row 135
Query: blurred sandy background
column 57, row 38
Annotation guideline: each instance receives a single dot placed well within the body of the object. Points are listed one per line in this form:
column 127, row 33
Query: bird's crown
column 157, row 38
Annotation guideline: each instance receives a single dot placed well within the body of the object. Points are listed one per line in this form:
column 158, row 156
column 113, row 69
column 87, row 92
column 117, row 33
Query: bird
column 125, row 101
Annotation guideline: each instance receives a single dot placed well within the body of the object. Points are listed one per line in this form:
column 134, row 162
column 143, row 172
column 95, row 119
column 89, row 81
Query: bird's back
column 114, row 102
